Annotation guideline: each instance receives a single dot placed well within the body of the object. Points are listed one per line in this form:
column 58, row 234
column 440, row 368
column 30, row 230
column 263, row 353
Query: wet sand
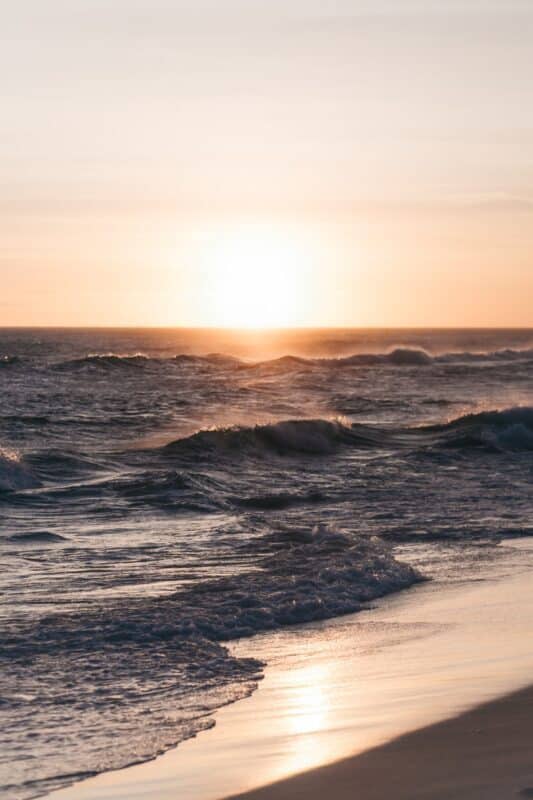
column 484, row 754
column 335, row 690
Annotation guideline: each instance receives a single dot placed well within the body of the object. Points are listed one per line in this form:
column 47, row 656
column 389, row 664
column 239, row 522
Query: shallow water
column 337, row 688
column 158, row 500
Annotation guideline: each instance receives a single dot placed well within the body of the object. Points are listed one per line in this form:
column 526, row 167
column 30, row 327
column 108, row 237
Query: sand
column 337, row 690
column 484, row 754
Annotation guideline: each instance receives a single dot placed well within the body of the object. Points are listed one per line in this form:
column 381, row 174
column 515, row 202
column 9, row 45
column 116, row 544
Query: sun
column 257, row 277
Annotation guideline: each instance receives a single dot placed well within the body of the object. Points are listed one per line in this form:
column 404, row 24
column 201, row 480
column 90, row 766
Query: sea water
column 165, row 492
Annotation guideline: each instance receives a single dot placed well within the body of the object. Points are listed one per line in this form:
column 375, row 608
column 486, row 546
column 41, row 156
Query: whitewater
column 166, row 492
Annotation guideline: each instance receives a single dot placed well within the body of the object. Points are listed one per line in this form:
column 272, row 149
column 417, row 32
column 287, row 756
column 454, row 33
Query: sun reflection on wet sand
column 307, row 714
column 335, row 689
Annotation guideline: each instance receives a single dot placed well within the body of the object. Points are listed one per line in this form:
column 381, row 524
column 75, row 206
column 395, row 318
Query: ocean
column 165, row 492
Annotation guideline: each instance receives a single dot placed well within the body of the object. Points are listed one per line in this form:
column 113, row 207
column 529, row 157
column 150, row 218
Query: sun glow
column 258, row 277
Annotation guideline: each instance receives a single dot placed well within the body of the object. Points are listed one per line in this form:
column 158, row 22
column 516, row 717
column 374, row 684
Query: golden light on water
column 257, row 277
column 307, row 717
column 310, row 705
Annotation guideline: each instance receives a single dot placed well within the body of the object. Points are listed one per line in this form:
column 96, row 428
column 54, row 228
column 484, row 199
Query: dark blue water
column 163, row 492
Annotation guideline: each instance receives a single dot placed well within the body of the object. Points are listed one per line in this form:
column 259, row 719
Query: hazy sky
column 353, row 162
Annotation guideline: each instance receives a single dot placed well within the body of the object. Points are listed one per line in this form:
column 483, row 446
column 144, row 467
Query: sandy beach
column 340, row 702
column 484, row 754
column 266, row 369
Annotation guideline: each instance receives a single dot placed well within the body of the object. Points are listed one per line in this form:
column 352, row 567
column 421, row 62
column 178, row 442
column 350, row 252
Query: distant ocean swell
column 159, row 498
column 395, row 357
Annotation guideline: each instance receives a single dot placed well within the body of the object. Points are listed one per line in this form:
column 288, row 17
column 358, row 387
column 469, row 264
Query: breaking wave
column 510, row 429
column 400, row 356
column 311, row 437
column 413, row 356
column 169, row 649
column 129, row 564
column 314, row 574
column 506, row 429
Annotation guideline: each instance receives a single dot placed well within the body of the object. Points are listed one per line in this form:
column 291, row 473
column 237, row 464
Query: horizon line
column 254, row 330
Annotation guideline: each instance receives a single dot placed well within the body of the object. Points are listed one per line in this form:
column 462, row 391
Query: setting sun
column 256, row 277
column 266, row 358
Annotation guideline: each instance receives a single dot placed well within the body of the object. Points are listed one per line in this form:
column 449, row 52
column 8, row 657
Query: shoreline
column 337, row 689
column 482, row 754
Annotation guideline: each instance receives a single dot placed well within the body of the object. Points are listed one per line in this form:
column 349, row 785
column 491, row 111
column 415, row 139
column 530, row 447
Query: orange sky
column 290, row 162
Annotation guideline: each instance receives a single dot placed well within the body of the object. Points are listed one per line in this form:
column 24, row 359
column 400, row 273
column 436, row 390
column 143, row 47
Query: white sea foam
column 131, row 565
column 130, row 662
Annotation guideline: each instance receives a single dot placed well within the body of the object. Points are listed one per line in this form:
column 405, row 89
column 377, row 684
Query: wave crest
column 508, row 429
column 311, row 437
column 104, row 361
column 170, row 649
column 402, row 355
column 316, row 574
column 505, row 429
column 399, row 357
